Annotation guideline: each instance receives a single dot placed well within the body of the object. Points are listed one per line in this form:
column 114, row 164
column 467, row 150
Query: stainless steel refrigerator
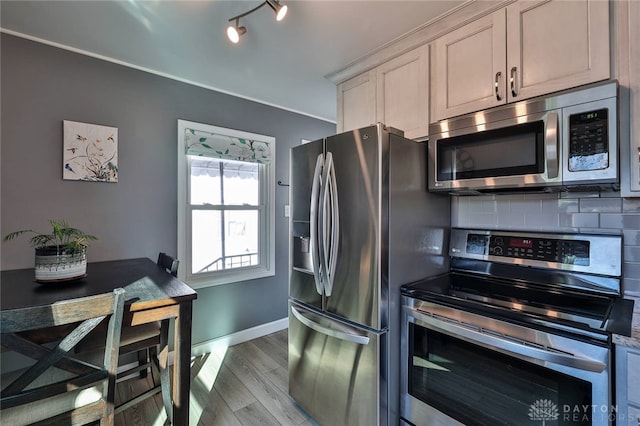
column 361, row 224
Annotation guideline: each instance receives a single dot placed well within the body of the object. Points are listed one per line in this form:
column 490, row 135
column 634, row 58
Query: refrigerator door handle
column 330, row 224
column 346, row 333
column 335, row 227
column 313, row 225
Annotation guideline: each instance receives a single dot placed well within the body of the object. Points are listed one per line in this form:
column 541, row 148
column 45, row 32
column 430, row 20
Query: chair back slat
column 37, row 385
column 47, row 391
column 170, row 264
column 111, row 352
column 22, row 345
column 63, row 312
column 43, row 364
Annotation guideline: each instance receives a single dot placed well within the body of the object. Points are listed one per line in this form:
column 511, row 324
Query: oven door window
column 511, row 151
column 478, row 386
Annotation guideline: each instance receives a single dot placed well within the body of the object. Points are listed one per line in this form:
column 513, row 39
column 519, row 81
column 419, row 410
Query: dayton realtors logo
column 543, row 410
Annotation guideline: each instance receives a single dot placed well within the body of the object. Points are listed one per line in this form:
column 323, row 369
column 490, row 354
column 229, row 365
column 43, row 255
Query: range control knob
column 497, row 251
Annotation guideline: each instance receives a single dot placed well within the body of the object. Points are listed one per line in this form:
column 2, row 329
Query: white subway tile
column 600, row 205
column 632, row 254
column 585, row 220
column 631, row 270
column 631, row 205
column 631, row 237
column 542, row 221
column 621, row 221
column 631, row 287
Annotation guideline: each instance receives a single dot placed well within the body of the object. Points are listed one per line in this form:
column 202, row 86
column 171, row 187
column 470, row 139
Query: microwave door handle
column 551, row 148
column 314, row 243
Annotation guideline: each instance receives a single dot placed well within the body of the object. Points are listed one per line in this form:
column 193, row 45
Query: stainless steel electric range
column 518, row 332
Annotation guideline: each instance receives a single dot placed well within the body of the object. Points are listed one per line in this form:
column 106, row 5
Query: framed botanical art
column 90, row 152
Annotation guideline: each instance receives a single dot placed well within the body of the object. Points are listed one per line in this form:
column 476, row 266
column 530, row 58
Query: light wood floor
column 245, row 384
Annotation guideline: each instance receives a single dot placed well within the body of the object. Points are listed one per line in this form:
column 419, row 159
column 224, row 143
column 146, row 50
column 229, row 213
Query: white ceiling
column 278, row 63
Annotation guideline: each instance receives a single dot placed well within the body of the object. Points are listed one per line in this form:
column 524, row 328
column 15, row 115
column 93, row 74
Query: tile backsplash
column 591, row 212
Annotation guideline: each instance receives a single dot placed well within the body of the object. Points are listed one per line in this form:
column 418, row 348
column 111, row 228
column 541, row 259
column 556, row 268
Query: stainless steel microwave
column 567, row 140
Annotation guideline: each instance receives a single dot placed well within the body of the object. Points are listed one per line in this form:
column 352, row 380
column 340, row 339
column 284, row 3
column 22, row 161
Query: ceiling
column 284, row 64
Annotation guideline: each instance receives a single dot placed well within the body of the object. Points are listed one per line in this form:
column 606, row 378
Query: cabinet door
column 633, row 376
column 633, row 417
column 357, row 102
column 469, row 67
column 627, row 385
column 403, row 93
column 634, row 103
column 555, row 45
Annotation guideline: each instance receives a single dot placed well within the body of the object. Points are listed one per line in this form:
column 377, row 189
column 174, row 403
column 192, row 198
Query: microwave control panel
column 589, row 140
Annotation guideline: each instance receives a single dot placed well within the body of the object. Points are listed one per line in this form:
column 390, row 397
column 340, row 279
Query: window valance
column 213, row 145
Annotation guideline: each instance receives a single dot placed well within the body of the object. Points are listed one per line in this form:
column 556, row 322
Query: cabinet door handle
column 497, row 85
column 512, row 80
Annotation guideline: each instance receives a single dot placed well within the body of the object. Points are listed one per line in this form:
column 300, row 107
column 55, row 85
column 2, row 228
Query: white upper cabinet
column 357, row 102
column 628, row 67
column 467, row 64
column 554, row 45
column 528, row 49
column 395, row 93
column 403, row 93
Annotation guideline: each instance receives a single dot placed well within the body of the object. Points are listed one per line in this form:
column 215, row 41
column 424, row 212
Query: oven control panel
column 573, row 252
column 599, row 254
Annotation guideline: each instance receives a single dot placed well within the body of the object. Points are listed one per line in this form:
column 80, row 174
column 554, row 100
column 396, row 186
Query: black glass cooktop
column 524, row 301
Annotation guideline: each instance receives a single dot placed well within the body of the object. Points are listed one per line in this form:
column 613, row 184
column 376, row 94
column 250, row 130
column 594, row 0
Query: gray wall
column 136, row 217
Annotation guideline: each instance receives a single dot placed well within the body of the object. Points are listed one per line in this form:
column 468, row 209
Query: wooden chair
column 143, row 339
column 59, row 388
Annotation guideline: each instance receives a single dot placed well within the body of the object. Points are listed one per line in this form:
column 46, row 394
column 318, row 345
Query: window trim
column 267, row 248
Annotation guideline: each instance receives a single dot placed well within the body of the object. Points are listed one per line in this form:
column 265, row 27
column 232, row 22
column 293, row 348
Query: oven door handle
column 506, row 346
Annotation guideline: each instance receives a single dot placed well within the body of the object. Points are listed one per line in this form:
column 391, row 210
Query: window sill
column 211, row 280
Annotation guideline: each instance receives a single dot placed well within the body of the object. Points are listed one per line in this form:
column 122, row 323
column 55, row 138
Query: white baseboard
column 236, row 338
column 228, row 340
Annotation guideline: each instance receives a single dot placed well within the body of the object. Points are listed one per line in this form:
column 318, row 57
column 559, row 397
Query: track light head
column 279, row 9
column 234, row 32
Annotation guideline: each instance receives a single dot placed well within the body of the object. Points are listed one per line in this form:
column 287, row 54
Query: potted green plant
column 60, row 255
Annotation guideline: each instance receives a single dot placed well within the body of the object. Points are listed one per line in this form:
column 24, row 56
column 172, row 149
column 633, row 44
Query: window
column 225, row 204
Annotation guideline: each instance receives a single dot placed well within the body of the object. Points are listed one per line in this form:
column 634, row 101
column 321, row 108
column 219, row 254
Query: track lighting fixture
column 279, row 9
column 234, row 32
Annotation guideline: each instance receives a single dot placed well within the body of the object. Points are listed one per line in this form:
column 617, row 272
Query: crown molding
column 426, row 33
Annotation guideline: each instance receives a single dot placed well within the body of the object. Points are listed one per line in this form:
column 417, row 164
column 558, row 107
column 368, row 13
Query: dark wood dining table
column 152, row 294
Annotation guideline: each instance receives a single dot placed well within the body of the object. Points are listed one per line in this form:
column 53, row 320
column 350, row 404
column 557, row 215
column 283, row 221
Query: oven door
column 461, row 368
column 511, row 153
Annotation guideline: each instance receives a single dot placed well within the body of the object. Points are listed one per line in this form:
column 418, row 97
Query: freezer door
column 336, row 372
column 356, row 286
column 305, row 283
